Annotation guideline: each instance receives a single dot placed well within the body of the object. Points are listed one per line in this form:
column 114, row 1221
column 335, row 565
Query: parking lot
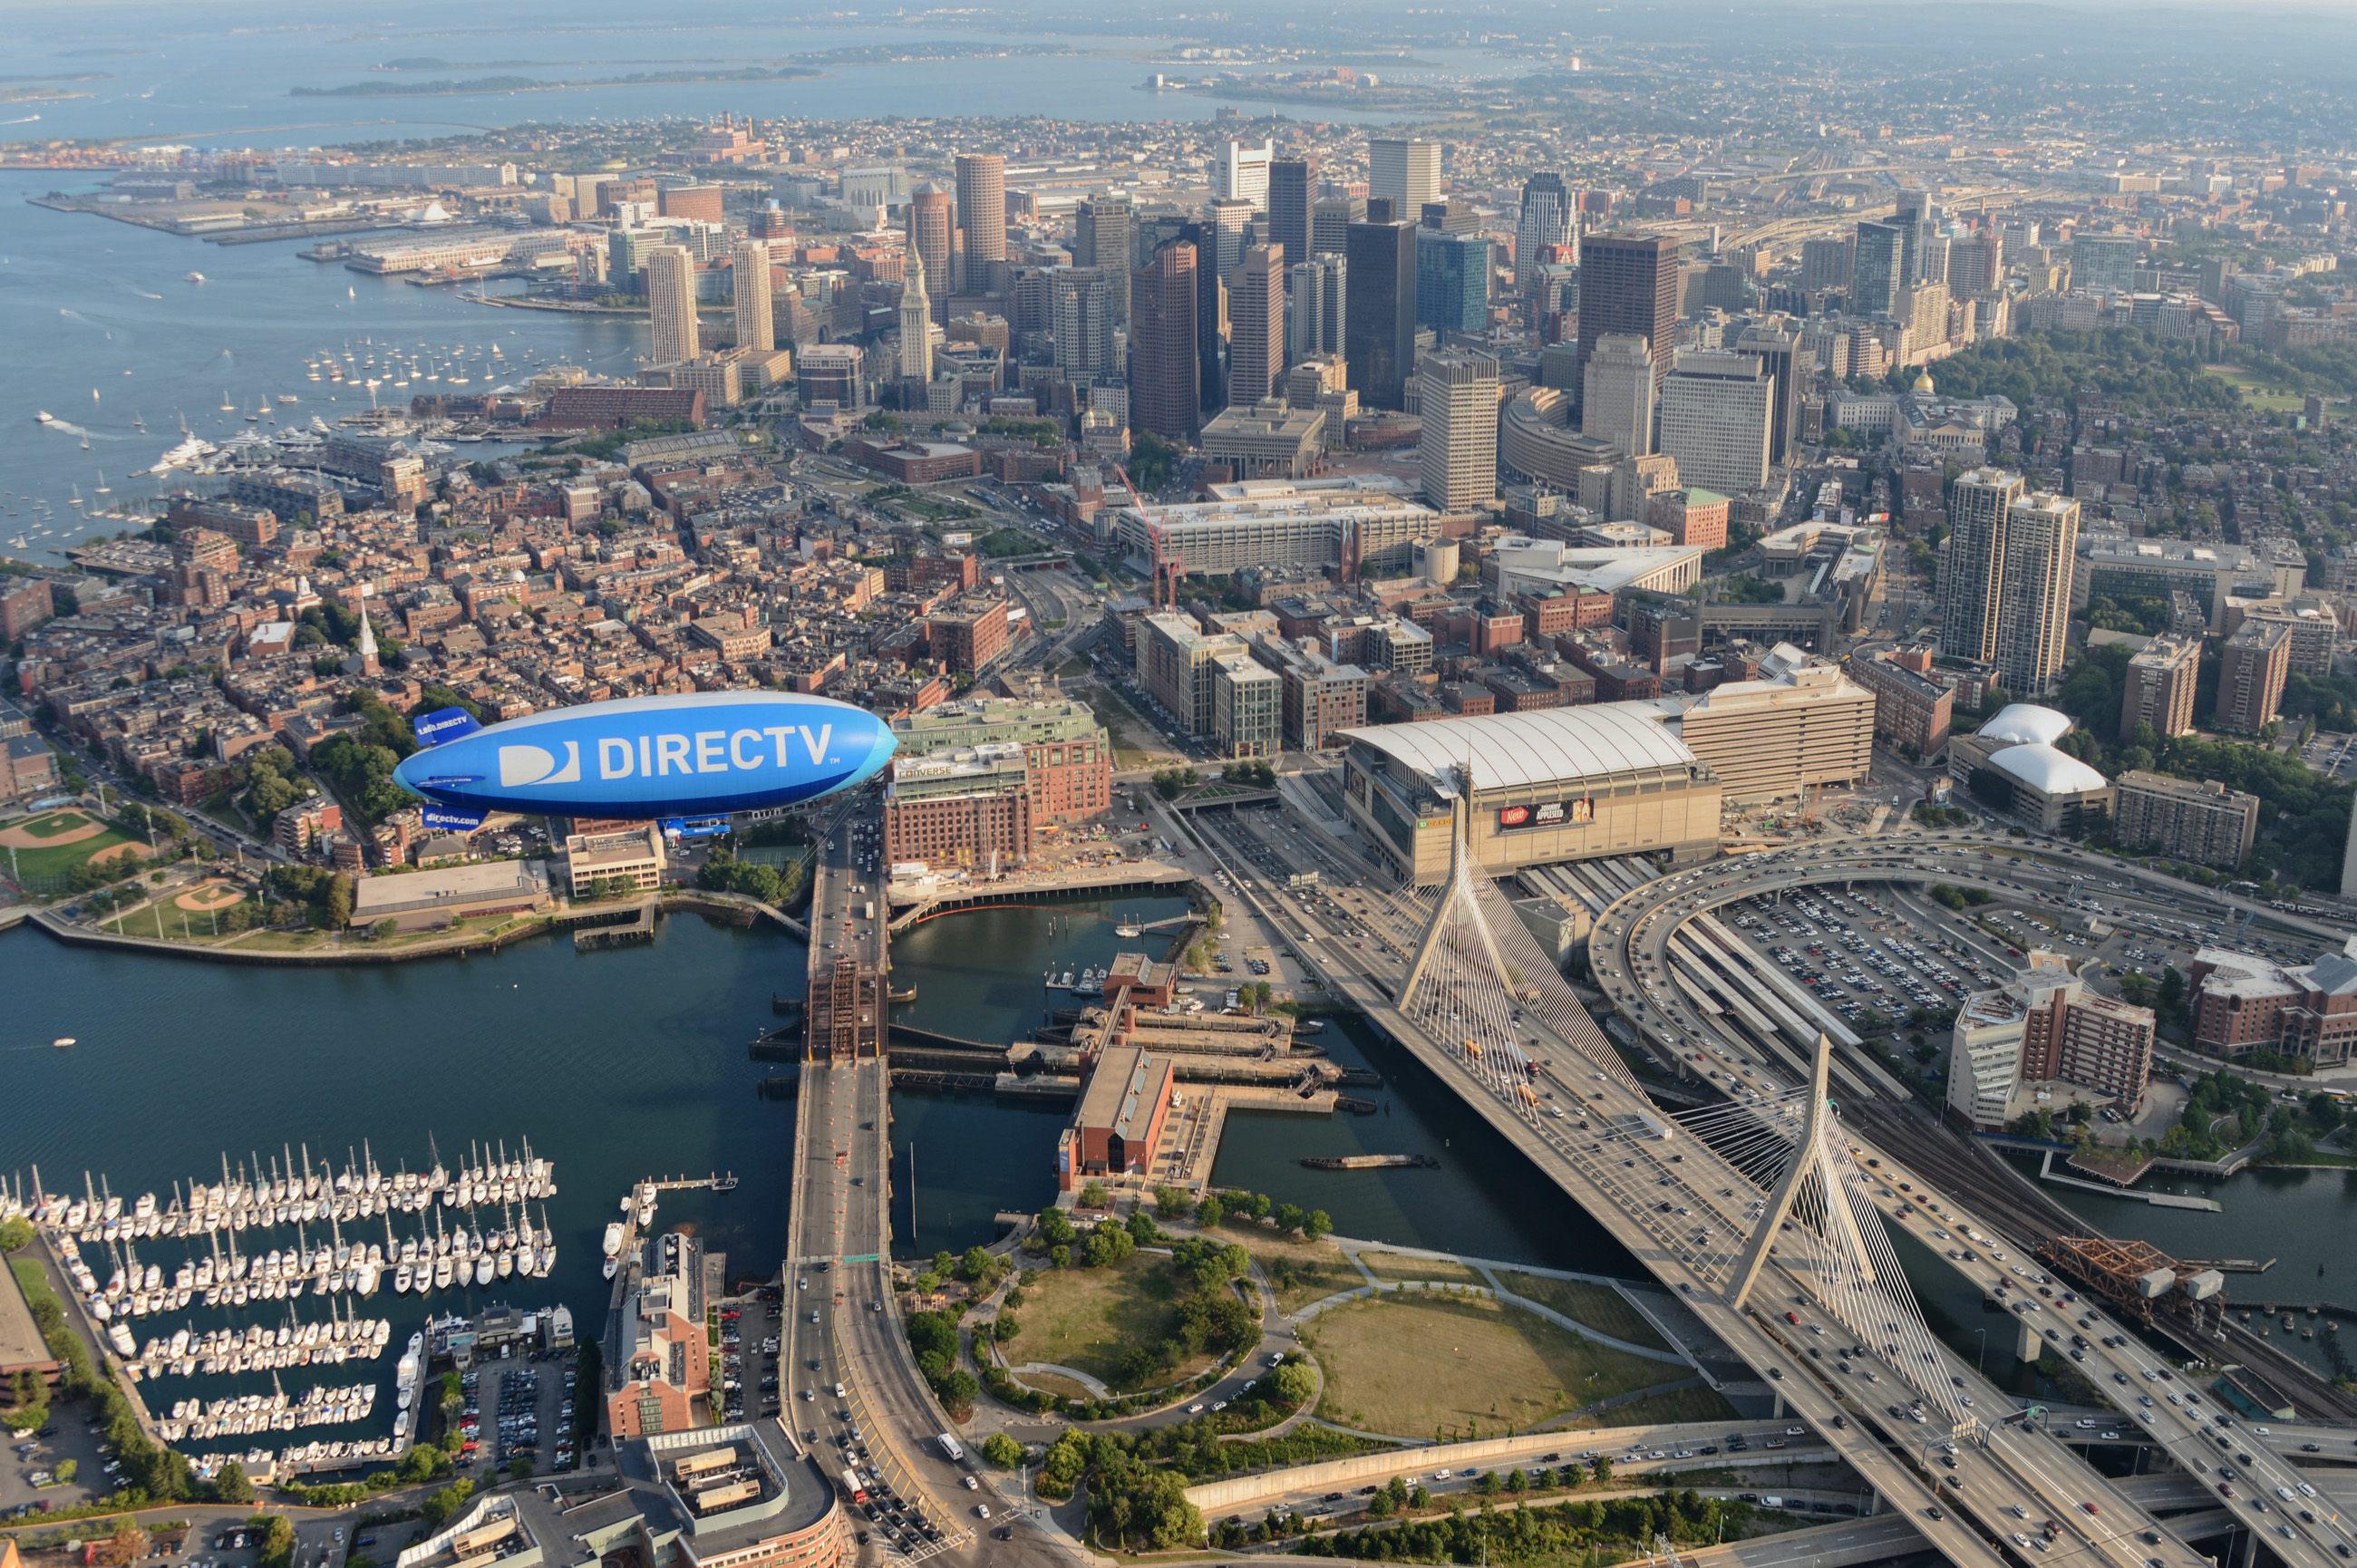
column 519, row 1410
column 30, row 1479
column 1866, row 952
column 746, row 1370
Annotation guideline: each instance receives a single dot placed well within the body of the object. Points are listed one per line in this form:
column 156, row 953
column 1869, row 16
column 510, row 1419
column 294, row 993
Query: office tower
column 1915, row 218
column 1458, row 393
column 931, row 226
column 1290, row 181
column 1102, row 227
column 670, row 299
column 1546, row 221
column 1315, row 296
column 1231, row 223
column 1615, row 401
column 2104, row 264
column 2033, row 609
column 982, row 211
column 1452, row 281
column 1256, row 326
column 1825, row 264
column 1379, row 330
column 1449, row 216
column 2251, row 667
column 916, row 315
column 1330, row 223
column 1210, row 318
column 1971, row 562
column 1877, row 269
column 1080, row 313
column 1406, row 171
column 1241, row 173
column 1715, row 409
column 1777, row 350
column 1976, row 263
column 1628, row 284
column 2159, row 688
column 1165, row 369
column 749, row 280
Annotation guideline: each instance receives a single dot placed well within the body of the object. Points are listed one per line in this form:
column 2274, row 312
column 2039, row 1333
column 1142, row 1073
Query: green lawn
column 2269, row 399
column 1089, row 1319
column 1600, row 1307
column 1397, row 1266
column 36, row 864
column 1415, row 1365
column 53, row 824
column 1299, row 1272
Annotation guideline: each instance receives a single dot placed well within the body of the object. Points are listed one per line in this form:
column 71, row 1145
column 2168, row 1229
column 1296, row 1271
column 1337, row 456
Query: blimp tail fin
column 444, row 725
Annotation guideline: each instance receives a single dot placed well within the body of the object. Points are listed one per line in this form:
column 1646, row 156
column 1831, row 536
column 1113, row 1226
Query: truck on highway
column 853, row 1488
column 950, row 1446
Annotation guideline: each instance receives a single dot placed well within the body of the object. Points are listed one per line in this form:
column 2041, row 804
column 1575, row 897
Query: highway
column 1999, row 1483
column 1631, row 954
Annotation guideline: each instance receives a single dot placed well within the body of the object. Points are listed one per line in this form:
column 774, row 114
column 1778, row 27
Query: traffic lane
column 2007, row 1487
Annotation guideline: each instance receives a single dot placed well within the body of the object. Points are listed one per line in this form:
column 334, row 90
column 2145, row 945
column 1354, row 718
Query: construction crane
column 1169, row 564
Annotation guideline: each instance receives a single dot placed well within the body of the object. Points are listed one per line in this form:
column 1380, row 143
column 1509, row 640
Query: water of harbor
column 91, row 306
column 626, row 1063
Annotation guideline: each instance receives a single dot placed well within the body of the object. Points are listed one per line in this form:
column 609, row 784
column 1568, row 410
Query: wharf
column 2230, row 1265
column 637, row 926
column 2047, row 1173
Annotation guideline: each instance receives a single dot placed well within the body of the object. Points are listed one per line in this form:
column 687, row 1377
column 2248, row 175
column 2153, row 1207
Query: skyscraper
column 1081, row 312
column 1242, row 172
column 1330, row 223
column 1163, row 367
column 931, row 225
column 1877, row 269
column 1101, row 238
column 1825, row 263
column 1406, row 170
column 1777, row 350
column 1452, row 281
column 1915, row 218
column 2033, row 614
column 1972, row 563
column 1715, row 409
column 1379, row 330
column 1256, row 326
column 1290, row 181
column 982, row 211
column 671, row 300
column 1457, row 391
column 1318, row 298
column 1628, row 282
column 916, row 315
column 749, row 280
column 1615, row 401
column 1545, row 223
column 1231, row 219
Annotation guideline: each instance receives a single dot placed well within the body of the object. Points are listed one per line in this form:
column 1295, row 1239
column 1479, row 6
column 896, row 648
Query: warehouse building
column 1553, row 785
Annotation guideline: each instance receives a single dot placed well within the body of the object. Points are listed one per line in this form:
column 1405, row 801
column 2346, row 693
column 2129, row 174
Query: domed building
column 2013, row 765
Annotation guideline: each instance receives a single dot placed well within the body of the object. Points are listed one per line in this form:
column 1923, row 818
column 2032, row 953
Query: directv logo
column 663, row 755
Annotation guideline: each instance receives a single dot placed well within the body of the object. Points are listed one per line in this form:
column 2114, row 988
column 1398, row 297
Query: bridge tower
column 1458, row 905
column 1808, row 1160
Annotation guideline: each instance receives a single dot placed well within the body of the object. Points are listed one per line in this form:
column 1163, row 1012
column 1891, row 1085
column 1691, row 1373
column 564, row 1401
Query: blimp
column 691, row 758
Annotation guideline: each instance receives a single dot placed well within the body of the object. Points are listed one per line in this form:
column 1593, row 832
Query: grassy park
column 58, row 844
column 1600, row 1307
column 1089, row 1318
column 1415, row 1365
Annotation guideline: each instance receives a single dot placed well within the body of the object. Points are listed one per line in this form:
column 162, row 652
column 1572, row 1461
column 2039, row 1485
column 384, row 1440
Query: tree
column 278, row 1545
column 230, row 1485
column 1003, row 1451
column 1095, row 1194
column 1316, row 1225
column 1601, row 1468
column 1293, row 1383
column 16, row 1234
column 1172, row 1202
column 1209, row 1211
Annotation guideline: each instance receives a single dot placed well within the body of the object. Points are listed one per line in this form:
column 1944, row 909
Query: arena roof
column 2043, row 767
column 1554, row 745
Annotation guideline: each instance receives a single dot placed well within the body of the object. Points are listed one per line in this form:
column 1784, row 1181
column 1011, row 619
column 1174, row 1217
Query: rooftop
column 1512, row 751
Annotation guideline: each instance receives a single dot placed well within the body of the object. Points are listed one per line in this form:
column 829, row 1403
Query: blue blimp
column 702, row 755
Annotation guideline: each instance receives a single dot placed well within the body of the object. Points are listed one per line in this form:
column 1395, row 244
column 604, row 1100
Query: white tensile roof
column 1515, row 750
column 2027, row 723
column 2043, row 767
